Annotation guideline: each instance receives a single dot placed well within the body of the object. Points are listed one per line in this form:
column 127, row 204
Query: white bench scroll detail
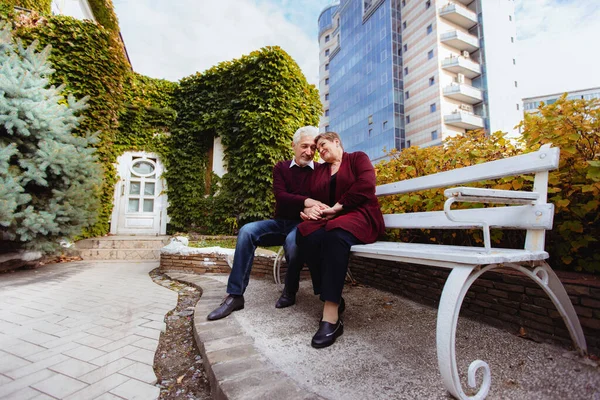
column 522, row 210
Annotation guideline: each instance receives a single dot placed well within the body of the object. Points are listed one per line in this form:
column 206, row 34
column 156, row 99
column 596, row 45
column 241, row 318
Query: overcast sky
column 557, row 39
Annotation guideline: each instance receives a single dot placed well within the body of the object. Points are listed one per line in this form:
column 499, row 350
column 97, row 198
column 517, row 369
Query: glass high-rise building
column 399, row 73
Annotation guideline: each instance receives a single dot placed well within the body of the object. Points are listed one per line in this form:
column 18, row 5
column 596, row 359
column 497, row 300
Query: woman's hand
column 312, row 213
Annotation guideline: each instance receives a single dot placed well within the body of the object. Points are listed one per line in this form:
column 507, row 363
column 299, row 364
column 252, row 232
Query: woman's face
column 328, row 150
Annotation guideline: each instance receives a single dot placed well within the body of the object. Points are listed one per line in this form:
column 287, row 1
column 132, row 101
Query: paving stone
column 134, row 389
column 99, row 388
column 37, row 366
column 84, row 353
column 141, row 372
column 105, row 371
column 74, row 368
column 114, row 355
column 241, row 366
column 227, row 343
column 143, row 356
column 24, row 382
column 96, row 342
column 38, row 338
column 108, row 396
column 239, row 352
column 20, row 348
column 117, row 344
column 24, row 394
column 59, row 386
column 146, row 343
column 214, row 334
column 4, row 379
column 51, row 352
column 10, row 362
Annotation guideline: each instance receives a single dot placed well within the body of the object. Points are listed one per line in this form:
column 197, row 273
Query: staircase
column 121, row 247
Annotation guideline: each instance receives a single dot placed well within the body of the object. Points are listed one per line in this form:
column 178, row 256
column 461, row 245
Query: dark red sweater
column 291, row 188
column 355, row 190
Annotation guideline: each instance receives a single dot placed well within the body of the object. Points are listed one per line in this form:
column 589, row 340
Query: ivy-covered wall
column 41, row 6
column 254, row 104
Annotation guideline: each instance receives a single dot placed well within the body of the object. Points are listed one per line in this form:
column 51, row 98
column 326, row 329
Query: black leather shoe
column 287, row 299
column 327, row 334
column 229, row 305
column 341, row 306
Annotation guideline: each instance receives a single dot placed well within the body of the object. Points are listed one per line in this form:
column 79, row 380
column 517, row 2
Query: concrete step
column 121, row 247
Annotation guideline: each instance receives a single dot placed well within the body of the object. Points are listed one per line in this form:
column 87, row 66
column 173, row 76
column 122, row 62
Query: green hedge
column 254, row 104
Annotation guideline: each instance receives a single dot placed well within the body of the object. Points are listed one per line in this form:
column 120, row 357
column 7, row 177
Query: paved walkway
column 81, row 330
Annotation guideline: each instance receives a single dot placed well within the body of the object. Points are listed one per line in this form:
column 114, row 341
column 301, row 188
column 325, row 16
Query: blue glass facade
column 366, row 91
column 326, row 18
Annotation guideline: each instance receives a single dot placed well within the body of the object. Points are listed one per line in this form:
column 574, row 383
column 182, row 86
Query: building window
column 383, row 55
column 434, row 135
column 327, row 112
column 327, row 81
column 405, row 71
column 326, row 52
column 432, row 81
column 407, row 94
column 516, row 85
column 408, row 119
column 514, row 62
column 383, row 78
column 429, row 29
column 326, row 128
column 517, row 106
column 405, row 47
column 327, row 38
column 403, row 3
column 326, row 67
column 432, row 108
column 370, row 132
column 427, row 4
column 369, row 67
column 512, row 39
column 404, row 25
column 384, row 125
column 370, row 119
column 326, row 96
column 382, row 34
column 510, row 17
column 430, row 55
column 408, row 143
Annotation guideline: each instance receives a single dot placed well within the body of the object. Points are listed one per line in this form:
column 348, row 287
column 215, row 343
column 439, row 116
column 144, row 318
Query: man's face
column 304, row 150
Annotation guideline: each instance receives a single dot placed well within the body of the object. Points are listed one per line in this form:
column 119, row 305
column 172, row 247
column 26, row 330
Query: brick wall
column 504, row 298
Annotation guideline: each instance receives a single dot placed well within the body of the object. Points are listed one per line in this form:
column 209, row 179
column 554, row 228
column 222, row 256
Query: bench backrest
column 535, row 217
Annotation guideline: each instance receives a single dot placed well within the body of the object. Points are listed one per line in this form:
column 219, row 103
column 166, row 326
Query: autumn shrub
column 574, row 126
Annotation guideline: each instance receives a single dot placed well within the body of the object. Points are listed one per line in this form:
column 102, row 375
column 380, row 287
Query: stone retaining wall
column 504, row 298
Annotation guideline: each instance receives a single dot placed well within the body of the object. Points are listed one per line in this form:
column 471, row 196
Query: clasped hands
column 315, row 210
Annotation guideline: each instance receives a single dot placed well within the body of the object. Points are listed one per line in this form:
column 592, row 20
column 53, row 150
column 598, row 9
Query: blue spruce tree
column 49, row 178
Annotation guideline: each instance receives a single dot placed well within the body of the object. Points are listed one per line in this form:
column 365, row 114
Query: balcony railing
column 464, row 93
column 459, row 15
column 464, row 120
column 462, row 65
column 460, row 40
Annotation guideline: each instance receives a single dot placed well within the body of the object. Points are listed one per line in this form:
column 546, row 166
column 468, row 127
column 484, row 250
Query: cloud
column 557, row 48
column 175, row 39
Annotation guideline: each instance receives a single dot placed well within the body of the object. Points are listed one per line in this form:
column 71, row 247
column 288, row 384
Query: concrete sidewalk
column 388, row 351
column 81, row 330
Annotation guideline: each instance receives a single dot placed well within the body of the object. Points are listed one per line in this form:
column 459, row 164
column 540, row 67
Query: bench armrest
column 491, row 196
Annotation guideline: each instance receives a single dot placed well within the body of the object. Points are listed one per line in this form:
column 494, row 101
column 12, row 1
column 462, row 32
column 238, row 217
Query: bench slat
column 437, row 254
column 514, row 217
column 543, row 160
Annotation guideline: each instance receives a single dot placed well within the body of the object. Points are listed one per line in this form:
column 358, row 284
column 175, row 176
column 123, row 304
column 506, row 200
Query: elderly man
column 291, row 187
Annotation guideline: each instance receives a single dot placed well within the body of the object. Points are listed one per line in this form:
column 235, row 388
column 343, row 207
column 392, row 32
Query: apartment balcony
column 464, row 120
column 459, row 15
column 463, row 93
column 465, row 2
column 462, row 65
column 460, row 40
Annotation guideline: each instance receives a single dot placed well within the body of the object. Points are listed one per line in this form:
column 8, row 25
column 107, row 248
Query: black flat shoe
column 229, row 305
column 327, row 334
column 287, row 299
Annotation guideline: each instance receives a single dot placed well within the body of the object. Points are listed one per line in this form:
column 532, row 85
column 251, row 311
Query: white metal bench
column 522, row 210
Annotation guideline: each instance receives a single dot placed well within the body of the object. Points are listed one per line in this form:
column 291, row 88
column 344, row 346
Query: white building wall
column 79, row 9
column 500, row 36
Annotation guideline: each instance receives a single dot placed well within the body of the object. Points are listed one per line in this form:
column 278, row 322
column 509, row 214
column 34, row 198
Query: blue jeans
column 271, row 232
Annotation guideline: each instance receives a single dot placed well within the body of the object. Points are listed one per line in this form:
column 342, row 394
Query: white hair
column 305, row 131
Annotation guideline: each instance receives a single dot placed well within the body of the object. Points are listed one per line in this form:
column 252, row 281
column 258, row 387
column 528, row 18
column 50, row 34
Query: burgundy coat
column 290, row 186
column 355, row 190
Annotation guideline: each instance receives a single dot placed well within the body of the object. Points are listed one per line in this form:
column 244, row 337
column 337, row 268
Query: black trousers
column 327, row 254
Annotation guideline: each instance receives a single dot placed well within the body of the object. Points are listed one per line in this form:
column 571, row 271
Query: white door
column 140, row 204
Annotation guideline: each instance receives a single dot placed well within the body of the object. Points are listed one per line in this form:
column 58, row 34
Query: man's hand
column 308, row 203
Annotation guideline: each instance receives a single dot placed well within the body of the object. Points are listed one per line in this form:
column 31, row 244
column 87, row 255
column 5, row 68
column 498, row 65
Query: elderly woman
column 346, row 184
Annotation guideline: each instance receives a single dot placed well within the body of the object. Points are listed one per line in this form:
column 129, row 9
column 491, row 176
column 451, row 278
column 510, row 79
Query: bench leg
column 546, row 278
column 457, row 285
column 277, row 266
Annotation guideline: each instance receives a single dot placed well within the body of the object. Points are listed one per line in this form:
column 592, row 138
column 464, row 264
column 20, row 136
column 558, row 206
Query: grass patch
column 224, row 243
